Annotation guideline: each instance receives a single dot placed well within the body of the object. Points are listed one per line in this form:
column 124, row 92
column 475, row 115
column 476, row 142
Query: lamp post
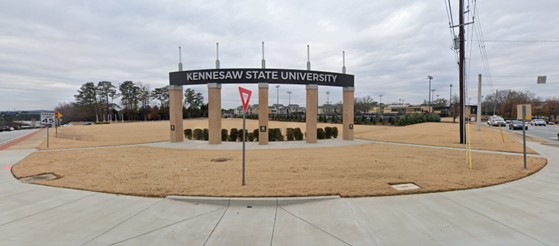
column 289, row 95
column 450, row 96
column 277, row 98
column 432, row 99
column 289, row 102
column 430, row 78
column 380, row 103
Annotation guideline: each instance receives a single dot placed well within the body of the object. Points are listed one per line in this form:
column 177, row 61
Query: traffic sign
column 57, row 114
column 527, row 111
column 47, row 118
column 245, row 97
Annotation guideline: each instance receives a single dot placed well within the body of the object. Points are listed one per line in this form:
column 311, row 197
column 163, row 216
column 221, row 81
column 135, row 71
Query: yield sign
column 245, row 97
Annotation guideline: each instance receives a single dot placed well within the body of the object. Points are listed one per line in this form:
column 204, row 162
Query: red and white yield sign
column 245, row 97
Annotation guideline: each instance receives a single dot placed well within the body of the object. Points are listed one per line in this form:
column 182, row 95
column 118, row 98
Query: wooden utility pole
column 461, row 65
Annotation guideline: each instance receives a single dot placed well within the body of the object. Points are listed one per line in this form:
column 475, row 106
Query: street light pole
column 277, row 99
column 380, row 103
column 432, row 99
column 450, row 96
column 430, row 78
column 289, row 95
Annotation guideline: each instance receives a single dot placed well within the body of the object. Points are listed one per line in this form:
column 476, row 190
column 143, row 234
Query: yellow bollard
column 502, row 135
column 469, row 135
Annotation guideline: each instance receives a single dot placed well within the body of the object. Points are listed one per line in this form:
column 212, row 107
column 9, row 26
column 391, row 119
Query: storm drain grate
column 405, row 186
column 39, row 177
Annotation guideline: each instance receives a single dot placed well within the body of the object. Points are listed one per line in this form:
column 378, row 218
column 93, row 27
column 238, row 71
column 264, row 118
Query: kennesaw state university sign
column 256, row 75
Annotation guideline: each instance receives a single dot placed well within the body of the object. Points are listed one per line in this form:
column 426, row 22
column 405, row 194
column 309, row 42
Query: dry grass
column 360, row 170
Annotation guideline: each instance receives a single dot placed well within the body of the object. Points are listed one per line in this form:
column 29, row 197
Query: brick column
column 312, row 110
column 263, row 113
column 214, row 113
column 348, row 112
column 175, row 113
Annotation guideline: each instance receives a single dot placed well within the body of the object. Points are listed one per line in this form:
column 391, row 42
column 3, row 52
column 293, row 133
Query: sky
column 49, row 48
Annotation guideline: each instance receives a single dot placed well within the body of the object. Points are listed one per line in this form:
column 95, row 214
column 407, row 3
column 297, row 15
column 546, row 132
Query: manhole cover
column 405, row 186
column 40, row 177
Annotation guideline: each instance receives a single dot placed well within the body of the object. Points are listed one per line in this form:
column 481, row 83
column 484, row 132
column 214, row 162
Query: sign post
column 47, row 119
column 524, row 111
column 245, row 98
column 57, row 115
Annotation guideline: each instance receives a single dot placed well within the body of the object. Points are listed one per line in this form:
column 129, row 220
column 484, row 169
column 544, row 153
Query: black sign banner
column 258, row 75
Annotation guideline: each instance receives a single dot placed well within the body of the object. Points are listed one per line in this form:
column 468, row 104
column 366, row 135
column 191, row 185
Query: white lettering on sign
column 261, row 75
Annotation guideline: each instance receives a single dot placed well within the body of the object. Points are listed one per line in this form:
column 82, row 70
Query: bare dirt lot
column 359, row 170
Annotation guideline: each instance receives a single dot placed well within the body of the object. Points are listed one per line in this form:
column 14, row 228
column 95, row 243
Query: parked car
column 6, row 128
column 517, row 125
column 551, row 123
column 538, row 122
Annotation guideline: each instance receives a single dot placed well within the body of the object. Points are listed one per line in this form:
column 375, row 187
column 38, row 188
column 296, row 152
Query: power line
column 451, row 25
column 517, row 41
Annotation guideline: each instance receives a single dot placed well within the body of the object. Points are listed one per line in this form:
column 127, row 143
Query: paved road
column 524, row 212
column 545, row 132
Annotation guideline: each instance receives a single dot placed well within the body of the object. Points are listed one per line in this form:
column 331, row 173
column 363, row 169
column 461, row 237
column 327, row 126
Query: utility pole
column 461, row 68
column 478, row 118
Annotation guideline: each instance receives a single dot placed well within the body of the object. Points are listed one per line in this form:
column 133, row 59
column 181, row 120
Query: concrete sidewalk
column 524, row 212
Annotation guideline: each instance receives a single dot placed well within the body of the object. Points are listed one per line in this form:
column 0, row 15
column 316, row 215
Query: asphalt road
column 545, row 132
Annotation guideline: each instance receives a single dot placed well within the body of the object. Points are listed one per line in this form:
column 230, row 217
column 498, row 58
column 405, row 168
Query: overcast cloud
column 49, row 48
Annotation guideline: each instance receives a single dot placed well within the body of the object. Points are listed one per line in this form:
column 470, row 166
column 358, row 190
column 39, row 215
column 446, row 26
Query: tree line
column 503, row 103
column 105, row 101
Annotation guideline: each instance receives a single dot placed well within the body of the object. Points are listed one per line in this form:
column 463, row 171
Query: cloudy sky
column 49, row 48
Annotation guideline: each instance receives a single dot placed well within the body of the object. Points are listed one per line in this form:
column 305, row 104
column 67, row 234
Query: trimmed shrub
column 432, row 118
column 327, row 132
column 255, row 134
column 274, row 134
column 206, row 134
column 188, row 134
column 411, row 119
column 290, row 134
column 233, row 134
column 335, row 132
column 250, row 137
column 240, row 137
column 198, row 134
column 320, row 134
column 224, row 134
column 298, row 134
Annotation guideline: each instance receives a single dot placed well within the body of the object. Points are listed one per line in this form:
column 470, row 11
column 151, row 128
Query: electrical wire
column 451, row 28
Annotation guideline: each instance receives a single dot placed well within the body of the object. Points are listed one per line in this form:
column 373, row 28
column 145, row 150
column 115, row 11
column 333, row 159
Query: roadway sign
column 527, row 111
column 245, row 97
column 47, row 118
column 57, row 114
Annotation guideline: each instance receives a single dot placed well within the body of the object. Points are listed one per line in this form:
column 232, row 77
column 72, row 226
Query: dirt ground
column 350, row 171
column 435, row 134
